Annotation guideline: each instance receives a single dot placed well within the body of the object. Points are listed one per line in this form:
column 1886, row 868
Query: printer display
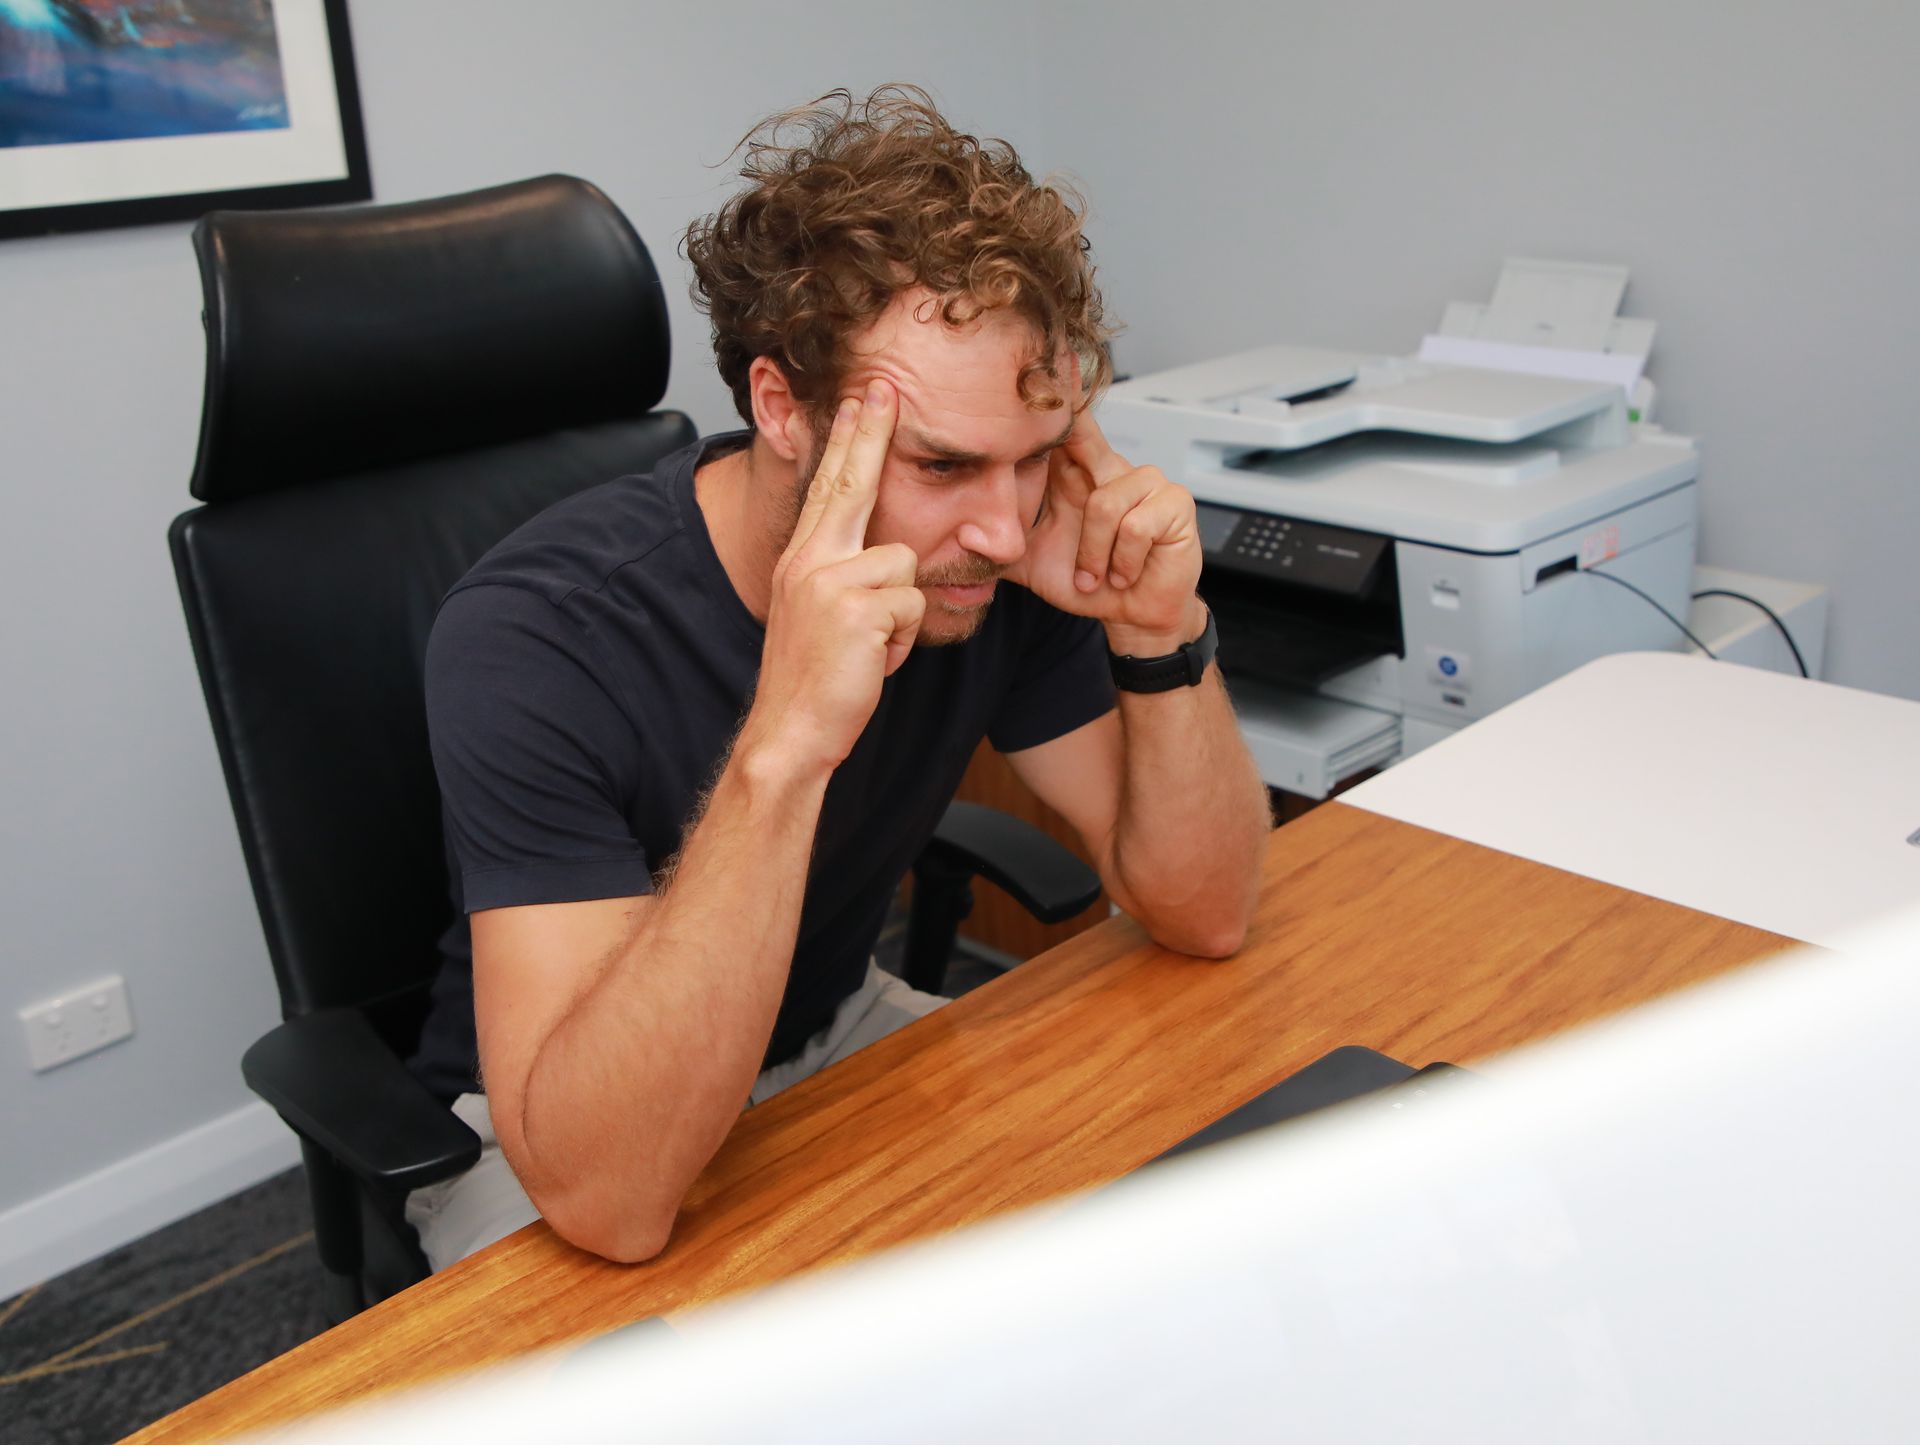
column 1395, row 547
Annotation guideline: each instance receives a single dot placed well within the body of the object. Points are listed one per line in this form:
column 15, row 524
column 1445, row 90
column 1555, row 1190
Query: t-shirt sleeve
column 529, row 750
column 1060, row 681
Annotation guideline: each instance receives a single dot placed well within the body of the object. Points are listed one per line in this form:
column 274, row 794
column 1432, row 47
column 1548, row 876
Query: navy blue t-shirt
column 584, row 681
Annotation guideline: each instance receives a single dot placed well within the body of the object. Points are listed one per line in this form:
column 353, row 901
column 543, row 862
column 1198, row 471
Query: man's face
column 967, row 470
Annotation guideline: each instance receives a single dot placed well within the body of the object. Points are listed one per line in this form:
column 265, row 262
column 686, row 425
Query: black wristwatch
column 1162, row 674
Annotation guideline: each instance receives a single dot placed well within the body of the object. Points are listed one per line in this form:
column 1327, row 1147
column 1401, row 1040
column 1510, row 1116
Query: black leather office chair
column 390, row 390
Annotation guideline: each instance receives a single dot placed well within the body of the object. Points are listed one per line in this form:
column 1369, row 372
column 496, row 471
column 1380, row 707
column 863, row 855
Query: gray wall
column 1327, row 173
column 1332, row 173
column 117, row 846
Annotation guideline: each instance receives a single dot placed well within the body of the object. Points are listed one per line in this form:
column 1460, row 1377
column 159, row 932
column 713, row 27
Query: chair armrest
column 1043, row 877
column 335, row 1082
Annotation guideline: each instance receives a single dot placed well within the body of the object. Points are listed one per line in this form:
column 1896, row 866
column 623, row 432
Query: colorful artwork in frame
column 126, row 112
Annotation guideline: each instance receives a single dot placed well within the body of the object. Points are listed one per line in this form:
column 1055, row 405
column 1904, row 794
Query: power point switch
column 60, row 1030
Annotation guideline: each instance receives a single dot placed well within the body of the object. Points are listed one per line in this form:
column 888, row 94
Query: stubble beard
column 958, row 624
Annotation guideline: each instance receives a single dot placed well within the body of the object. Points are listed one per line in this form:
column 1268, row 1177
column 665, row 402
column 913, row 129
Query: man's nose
column 996, row 529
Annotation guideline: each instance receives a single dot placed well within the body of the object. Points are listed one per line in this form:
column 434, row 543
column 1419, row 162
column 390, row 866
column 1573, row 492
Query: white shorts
column 460, row 1216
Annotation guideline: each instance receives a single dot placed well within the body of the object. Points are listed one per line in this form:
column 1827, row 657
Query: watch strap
column 1182, row 668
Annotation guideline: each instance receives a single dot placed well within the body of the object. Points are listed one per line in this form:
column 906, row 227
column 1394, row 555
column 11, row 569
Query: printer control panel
column 1285, row 549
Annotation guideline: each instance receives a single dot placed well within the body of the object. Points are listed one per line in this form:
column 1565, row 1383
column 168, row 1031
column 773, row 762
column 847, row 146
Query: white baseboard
column 119, row 1204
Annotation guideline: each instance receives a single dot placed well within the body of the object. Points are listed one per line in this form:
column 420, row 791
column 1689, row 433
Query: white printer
column 1395, row 547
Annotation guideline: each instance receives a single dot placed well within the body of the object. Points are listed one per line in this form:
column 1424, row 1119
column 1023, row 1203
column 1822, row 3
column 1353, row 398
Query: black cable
column 1742, row 597
column 1596, row 572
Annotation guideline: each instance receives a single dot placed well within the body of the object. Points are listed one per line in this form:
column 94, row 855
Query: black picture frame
column 349, row 178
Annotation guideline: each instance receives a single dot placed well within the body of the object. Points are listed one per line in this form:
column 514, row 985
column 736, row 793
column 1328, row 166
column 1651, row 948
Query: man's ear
column 777, row 413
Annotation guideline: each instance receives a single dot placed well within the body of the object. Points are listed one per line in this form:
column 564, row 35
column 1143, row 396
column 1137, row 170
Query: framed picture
column 126, row 112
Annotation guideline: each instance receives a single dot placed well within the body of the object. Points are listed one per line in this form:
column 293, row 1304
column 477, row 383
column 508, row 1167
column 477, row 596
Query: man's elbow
column 1203, row 937
column 1218, row 941
column 624, row 1235
column 607, row 1207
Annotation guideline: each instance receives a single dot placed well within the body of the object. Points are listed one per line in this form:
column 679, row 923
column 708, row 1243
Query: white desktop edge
column 1765, row 799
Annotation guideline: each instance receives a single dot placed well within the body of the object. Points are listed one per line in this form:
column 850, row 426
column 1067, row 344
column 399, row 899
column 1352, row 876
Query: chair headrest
column 342, row 340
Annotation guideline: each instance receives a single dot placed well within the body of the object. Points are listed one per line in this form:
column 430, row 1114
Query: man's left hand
column 1118, row 543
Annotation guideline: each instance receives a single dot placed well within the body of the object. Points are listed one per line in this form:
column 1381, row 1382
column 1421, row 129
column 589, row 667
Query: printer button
column 1449, row 668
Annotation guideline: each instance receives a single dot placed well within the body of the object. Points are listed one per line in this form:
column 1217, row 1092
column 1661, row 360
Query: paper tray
column 1308, row 744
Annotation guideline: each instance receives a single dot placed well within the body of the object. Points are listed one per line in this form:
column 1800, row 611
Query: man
column 692, row 728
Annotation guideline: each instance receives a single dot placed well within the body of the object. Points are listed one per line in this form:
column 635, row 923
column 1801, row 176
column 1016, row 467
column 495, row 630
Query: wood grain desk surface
column 1064, row 1074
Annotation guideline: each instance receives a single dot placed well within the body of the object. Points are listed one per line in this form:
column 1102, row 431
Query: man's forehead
column 959, row 386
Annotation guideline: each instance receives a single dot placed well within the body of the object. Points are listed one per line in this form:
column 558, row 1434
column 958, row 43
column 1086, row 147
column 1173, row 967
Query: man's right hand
column 843, row 615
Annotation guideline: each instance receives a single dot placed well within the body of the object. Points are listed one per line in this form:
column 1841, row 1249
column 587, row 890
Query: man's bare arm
column 1163, row 792
column 1167, row 800
column 619, row 1040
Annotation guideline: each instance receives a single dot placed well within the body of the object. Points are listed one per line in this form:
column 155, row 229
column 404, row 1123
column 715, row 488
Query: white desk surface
column 1762, row 798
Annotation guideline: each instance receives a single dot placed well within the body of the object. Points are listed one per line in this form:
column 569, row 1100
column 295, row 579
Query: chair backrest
column 390, row 390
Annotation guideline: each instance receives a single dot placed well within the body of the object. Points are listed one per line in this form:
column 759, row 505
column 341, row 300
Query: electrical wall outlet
column 62, row 1029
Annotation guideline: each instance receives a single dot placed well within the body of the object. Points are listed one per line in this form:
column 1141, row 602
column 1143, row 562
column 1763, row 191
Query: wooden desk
column 1064, row 1074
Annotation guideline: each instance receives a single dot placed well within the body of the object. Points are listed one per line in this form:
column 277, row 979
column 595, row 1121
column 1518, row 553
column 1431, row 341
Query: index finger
column 832, row 455
column 1088, row 446
column 1068, row 480
column 847, row 491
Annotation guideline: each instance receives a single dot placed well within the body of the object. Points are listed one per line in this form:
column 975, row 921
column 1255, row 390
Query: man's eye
column 938, row 467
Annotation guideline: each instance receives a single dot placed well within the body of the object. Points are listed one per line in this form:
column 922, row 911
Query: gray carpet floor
column 101, row 1351
column 96, row 1353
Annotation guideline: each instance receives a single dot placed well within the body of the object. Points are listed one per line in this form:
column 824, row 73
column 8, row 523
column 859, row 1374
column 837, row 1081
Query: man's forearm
column 633, row 1091
column 1193, row 818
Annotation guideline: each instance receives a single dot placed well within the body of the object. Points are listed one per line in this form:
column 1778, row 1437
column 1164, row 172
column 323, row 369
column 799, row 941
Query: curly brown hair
column 850, row 203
